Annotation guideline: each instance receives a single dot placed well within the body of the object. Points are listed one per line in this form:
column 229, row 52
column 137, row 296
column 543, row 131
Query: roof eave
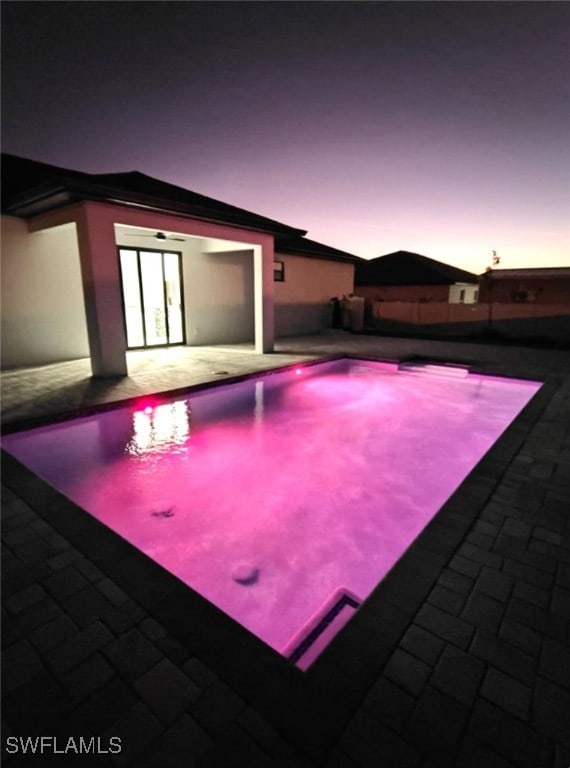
column 37, row 203
column 256, row 224
column 292, row 251
column 47, row 198
column 407, row 283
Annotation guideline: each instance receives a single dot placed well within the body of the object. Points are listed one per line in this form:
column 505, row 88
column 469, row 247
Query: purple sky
column 441, row 128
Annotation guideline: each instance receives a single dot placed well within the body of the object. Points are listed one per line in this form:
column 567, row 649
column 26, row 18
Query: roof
column 302, row 246
column 406, row 268
column 30, row 187
column 540, row 273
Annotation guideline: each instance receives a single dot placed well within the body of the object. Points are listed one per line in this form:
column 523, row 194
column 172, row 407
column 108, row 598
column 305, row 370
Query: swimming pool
column 283, row 499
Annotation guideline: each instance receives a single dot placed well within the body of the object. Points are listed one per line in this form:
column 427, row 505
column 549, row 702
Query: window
column 278, row 272
column 523, row 296
column 462, row 295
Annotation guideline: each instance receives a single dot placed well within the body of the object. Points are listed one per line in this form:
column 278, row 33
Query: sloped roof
column 406, row 268
column 302, row 246
column 30, row 188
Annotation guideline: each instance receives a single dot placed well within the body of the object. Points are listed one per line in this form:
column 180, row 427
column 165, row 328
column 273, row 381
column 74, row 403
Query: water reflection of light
column 159, row 427
column 259, row 402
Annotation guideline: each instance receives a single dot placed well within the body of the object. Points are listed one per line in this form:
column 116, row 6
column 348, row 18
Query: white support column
column 102, row 290
column 263, row 256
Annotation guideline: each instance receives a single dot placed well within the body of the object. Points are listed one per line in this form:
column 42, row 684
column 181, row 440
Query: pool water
column 283, row 499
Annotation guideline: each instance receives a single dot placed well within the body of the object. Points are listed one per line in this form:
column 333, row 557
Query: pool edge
column 309, row 706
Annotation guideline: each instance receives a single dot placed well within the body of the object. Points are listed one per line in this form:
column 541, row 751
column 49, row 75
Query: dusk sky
column 440, row 128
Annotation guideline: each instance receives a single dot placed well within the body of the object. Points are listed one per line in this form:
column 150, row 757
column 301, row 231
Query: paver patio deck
column 459, row 658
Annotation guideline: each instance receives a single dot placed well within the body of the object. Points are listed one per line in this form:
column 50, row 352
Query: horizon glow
column 438, row 128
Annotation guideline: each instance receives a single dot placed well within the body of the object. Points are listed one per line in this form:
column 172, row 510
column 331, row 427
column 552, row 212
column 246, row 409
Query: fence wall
column 545, row 322
column 431, row 312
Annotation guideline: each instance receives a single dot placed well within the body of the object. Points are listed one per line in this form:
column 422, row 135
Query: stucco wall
column 549, row 290
column 403, row 292
column 430, row 312
column 218, row 295
column 516, row 321
column 302, row 301
column 43, row 312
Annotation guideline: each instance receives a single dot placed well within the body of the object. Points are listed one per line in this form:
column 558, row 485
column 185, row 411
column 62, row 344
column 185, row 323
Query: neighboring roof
column 30, row 188
column 406, row 268
column 540, row 273
column 302, row 246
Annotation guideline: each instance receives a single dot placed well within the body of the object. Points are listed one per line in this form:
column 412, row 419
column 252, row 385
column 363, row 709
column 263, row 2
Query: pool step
column 318, row 632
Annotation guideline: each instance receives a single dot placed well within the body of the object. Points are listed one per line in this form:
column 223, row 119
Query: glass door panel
column 152, row 281
column 152, row 295
column 132, row 298
column 173, row 297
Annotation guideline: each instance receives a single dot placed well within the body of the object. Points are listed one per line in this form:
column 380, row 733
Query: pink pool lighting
column 283, row 499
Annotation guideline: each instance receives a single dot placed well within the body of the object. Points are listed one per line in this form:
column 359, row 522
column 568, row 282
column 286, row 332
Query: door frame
column 137, row 249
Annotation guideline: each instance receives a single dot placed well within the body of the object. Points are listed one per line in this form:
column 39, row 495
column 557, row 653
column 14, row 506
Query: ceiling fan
column 157, row 236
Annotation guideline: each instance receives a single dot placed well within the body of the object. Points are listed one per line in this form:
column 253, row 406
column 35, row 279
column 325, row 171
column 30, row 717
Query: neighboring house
column 410, row 277
column 93, row 265
column 542, row 285
column 309, row 276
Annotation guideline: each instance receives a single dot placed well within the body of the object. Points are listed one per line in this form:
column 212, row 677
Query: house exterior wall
column 44, row 315
column 303, row 299
column 218, row 295
column 545, row 290
column 104, row 216
column 403, row 292
column 43, row 310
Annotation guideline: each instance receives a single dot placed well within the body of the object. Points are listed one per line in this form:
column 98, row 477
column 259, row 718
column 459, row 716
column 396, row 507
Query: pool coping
column 311, row 707
column 32, row 422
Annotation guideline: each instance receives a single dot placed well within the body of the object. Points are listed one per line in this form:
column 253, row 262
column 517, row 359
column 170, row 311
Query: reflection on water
column 159, row 427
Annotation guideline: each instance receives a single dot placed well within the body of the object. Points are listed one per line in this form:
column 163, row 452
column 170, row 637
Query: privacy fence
column 514, row 320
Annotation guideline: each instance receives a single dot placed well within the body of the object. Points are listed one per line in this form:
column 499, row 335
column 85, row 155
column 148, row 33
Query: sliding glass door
column 152, row 296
